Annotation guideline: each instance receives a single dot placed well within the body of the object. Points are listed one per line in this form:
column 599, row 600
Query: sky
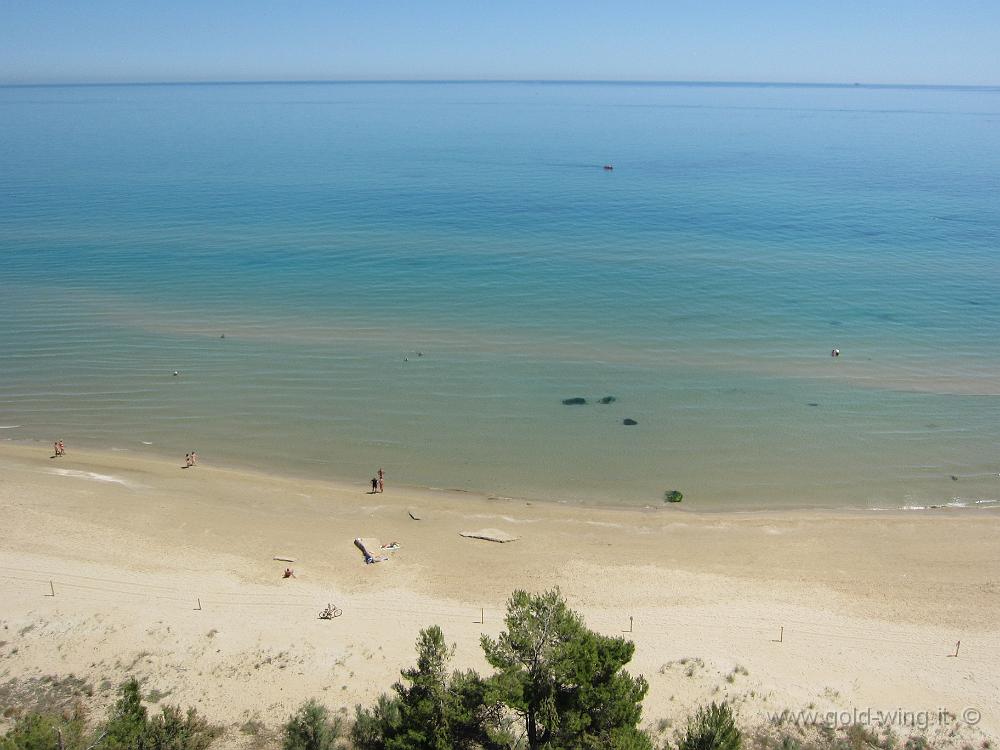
column 877, row 41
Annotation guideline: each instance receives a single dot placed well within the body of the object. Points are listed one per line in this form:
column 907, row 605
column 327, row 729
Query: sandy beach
column 169, row 574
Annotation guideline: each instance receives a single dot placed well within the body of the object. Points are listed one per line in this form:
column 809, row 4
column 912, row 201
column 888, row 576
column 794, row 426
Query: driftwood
column 490, row 535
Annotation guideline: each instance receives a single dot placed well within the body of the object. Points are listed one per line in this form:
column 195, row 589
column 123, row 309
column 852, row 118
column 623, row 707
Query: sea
column 321, row 279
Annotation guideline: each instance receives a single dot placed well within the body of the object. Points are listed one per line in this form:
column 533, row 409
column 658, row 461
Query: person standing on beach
column 55, row 449
column 194, row 458
column 62, row 448
column 187, row 460
column 381, row 480
column 374, row 485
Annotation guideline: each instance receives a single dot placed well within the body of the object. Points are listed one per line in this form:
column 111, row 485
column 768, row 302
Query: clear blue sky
column 878, row 41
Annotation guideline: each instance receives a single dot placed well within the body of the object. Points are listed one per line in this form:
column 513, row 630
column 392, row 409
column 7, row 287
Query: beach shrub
column 564, row 682
column 712, row 728
column 372, row 726
column 673, row 496
column 129, row 727
column 173, row 729
column 127, row 719
column 44, row 732
column 311, row 728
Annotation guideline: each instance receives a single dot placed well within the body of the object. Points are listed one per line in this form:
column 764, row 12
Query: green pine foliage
column 130, row 728
column 431, row 709
column 558, row 685
column 712, row 728
column 372, row 726
column 311, row 728
column 565, row 682
column 127, row 721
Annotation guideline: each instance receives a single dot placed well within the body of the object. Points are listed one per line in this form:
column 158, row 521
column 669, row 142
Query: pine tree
column 431, row 709
column 565, row 681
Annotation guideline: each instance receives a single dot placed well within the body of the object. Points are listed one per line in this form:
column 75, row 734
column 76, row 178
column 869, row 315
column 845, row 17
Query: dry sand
column 871, row 604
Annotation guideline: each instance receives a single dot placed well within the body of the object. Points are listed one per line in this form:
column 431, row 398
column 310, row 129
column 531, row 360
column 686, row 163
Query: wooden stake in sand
column 629, row 625
column 199, row 604
column 52, row 588
column 958, row 645
column 781, row 635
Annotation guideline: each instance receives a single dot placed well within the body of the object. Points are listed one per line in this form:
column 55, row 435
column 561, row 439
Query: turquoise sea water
column 333, row 231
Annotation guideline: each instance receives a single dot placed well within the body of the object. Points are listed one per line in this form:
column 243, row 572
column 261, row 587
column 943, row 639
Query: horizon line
column 566, row 81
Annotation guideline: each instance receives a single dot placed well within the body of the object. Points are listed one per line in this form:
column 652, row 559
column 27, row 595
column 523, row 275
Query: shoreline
column 90, row 452
column 169, row 574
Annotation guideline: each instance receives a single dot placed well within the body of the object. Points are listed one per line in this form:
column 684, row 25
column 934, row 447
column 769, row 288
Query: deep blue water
column 333, row 231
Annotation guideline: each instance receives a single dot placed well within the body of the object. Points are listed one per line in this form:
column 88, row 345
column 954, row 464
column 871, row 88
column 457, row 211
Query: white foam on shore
column 956, row 502
column 91, row 475
column 9, row 426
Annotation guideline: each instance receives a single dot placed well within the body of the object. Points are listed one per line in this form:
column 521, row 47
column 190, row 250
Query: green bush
column 371, row 727
column 130, row 728
column 712, row 728
column 311, row 728
column 172, row 730
column 41, row 732
column 126, row 725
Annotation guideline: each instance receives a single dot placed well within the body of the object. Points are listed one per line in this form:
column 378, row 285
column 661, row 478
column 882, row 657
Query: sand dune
column 169, row 574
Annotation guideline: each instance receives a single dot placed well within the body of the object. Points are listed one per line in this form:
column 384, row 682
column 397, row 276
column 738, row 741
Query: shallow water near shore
column 416, row 276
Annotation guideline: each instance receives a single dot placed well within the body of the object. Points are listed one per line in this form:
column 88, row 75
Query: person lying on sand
column 289, row 573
